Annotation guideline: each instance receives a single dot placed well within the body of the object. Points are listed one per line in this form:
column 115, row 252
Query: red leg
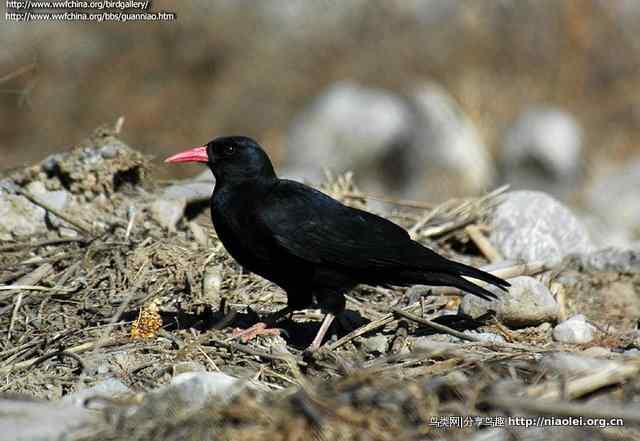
column 317, row 341
column 258, row 329
column 262, row 328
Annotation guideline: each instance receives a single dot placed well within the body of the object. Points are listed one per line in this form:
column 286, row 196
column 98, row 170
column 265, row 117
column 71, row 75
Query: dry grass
column 71, row 327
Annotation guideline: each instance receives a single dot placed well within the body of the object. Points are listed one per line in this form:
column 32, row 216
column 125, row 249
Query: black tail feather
column 463, row 284
column 451, row 273
column 466, row 270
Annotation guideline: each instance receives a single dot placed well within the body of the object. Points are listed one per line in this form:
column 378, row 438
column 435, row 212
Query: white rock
column 544, row 144
column 196, row 388
column 574, row 363
column 20, row 217
column 187, row 366
column 527, row 303
column 614, row 197
column 348, row 127
column 376, row 344
column 612, row 259
column 533, row 226
column 486, row 336
column 58, row 199
column 106, row 388
column 597, row 352
column 448, row 156
column 575, row 330
column 168, row 212
column 45, row 420
column 196, row 189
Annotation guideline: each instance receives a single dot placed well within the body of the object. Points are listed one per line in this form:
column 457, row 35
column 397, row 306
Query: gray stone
column 44, row 420
column 109, row 151
column 168, row 212
column 542, row 149
column 67, row 232
column 196, row 388
column 527, row 303
column 533, row 226
column 575, row 330
column 378, row 344
column 447, row 157
column 611, row 259
column 428, row 341
column 187, row 366
column 436, row 343
column 488, row 337
column 20, row 218
column 597, row 352
column 107, row 388
column 574, row 363
column 614, row 197
column 211, row 285
column 348, row 127
column 58, row 199
column 192, row 190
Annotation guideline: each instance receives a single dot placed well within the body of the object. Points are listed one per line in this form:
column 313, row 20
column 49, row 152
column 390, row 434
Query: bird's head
column 232, row 159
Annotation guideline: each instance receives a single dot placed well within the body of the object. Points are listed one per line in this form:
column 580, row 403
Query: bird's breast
column 235, row 226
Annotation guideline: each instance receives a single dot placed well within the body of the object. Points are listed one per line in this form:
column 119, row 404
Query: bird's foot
column 258, row 329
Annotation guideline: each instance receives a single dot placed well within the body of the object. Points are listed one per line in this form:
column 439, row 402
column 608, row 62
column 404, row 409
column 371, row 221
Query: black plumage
column 308, row 243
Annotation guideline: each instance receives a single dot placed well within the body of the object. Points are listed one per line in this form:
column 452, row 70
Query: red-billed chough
column 311, row 245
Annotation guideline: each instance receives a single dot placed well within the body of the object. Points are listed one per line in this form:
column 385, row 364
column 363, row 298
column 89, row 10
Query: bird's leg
column 317, row 341
column 264, row 327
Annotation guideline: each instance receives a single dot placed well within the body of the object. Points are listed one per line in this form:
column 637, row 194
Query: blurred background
column 422, row 99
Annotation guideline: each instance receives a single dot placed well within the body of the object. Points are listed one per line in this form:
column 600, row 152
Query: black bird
column 311, row 245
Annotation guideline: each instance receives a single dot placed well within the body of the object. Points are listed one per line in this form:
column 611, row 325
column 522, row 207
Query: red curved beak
column 196, row 154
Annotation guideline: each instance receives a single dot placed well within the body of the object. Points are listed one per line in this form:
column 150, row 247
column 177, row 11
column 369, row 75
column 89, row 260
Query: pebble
column 527, row 303
column 543, row 150
column 168, row 212
column 347, row 127
column 488, row 337
column 575, row 330
column 187, row 366
column 24, row 420
column 196, row 388
column 574, row 363
column 447, row 155
column 20, row 217
column 533, row 226
column 211, row 285
column 107, row 388
column 378, row 344
column 58, row 199
column 596, row 352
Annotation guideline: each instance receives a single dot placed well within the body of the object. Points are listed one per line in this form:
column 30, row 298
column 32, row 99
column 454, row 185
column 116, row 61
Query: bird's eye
column 228, row 150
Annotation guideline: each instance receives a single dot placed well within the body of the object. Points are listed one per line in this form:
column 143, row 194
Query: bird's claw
column 254, row 331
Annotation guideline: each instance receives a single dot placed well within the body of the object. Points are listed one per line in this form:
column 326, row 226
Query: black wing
column 321, row 230
column 316, row 228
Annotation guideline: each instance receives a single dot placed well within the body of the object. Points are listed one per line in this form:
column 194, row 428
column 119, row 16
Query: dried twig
column 256, row 352
column 436, row 326
column 483, row 244
column 73, row 350
column 17, row 72
column 42, row 243
column 586, row 384
column 27, row 282
column 379, row 323
column 401, row 202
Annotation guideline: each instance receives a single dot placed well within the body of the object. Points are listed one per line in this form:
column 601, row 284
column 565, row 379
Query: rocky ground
column 117, row 305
